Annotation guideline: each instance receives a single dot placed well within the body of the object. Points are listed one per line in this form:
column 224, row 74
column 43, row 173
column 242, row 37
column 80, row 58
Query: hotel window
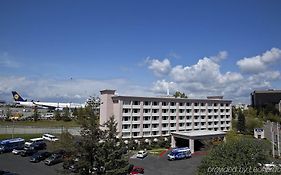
column 146, row 126
column 188, row 110
column 181, row 124
column 164, row 125
column 215, row 123
column 222, row 110
column 172, row 110
column 126, row 110
column 196, row 110
column 196, row 117
column 215, row 110
column 226, row 104
column 181, row 104
column 155, row 110
column 227, row 110
column 222, row 122
column 203, row 110
column 136, row 103
column 202, row 104
column 188, row 124
column 136, row 133
column 210, row 110
column 181, row 117
column 210, row 117
column 146, row 110
column 135, row 126
column 165, row 117
column 173, row 117
column 196, row 124
column 136, row 110
column 210, row 123
column 164, row 132
column 172, row 124
column 202, row 117
column 135, row 118
column 195, row 104
column 227, row 122
column 215, row 116
column 215, row 104
column 126, row 102
column 146, row 118
column 126, row 127
column 155, row 118
column 164, row 103
column 164, row 110
column 202, row 123
column 188, row 117
column 155, row 125
column 155, row 103
column 126, row 118
column 222, row 104
column 155, row 133
column 181, row 110
column 187, row 104
column 146, row 103
column 172, row 103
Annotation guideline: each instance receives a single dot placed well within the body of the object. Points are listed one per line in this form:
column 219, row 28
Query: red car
column 137, row 170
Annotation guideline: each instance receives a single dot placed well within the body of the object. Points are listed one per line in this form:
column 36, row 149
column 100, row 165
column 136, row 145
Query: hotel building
column 151, row 117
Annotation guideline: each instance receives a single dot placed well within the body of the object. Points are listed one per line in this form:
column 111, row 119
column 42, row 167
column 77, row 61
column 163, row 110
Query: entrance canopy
column 195, row 135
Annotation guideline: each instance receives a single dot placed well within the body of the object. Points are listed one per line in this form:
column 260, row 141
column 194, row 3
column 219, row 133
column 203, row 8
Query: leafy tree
column 75, row 112
column 35, row 114
column 57, row 115
column 241, row 122
column 237, row 153
column 66, row 114
column 180, row 94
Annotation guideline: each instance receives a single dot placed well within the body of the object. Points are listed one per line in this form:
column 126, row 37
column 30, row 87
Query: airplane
column 50, row 105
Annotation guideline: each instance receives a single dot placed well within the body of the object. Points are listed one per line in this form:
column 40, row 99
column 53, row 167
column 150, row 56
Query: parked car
column 32, row 141
column 137, row 170
column 38, row 145
column 54, row 159
column 50, row 137
column 7, row 173
column 28, row 152
column 17, row 151
column 37, row 157
column 71, row 165
column 142, row 154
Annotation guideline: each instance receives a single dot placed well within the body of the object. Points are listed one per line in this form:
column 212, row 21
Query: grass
column 24, row 136
column 157, row 151
column 41, row 123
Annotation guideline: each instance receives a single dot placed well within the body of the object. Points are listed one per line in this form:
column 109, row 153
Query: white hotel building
column 151, row 117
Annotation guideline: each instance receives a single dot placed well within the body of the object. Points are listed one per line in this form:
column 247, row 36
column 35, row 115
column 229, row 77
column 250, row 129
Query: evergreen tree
column 66, row 114
column 75, row 112
column 57, row 115
column 241, row 122
column 35, row 114
column 90, row 145
column 8, row 113
column 114, row 160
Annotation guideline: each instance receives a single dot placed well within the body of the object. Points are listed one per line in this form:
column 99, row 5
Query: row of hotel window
column 156, row 103
column 157, row 133
column 164, row 125
column 147, row 118
column 128, row 110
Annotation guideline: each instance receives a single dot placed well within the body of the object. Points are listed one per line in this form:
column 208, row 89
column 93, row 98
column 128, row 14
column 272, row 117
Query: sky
column 69, row 50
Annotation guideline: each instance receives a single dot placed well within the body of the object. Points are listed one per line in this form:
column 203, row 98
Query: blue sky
column 69, row 50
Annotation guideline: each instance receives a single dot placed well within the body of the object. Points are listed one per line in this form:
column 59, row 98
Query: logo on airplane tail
column 16, row 97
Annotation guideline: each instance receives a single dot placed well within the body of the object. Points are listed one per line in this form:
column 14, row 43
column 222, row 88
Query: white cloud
column 158, row 67
column 205, row 78
column 260, row 63
column 75, row 90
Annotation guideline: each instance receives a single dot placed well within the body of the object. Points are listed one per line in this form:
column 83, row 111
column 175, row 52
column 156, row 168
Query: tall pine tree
column 241, row 126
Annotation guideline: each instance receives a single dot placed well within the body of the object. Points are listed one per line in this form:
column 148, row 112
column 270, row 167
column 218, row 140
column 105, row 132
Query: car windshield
column 140, row 152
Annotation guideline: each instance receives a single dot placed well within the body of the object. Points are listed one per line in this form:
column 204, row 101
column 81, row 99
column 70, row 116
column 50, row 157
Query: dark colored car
column 38, row 146
column 54, row 159
column 28, row 152
column 7, row 173
column 37, row 157
column 137, row 170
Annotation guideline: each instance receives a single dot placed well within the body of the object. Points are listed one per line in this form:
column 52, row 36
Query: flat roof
column 199, row 133
column 169, row 99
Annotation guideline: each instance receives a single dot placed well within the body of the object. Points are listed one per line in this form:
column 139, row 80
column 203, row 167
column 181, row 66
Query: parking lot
column 152, row 165
column 155, row 165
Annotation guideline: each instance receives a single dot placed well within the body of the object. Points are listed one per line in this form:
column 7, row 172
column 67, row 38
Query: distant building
column 265, row 98
column 151, row 117
column 2, row 102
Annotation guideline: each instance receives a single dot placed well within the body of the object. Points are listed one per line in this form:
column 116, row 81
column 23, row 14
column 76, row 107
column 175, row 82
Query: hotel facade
column 152, row 117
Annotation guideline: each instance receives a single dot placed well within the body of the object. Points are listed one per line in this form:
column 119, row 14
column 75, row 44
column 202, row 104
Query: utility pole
column 272, row 140
column 278, row 139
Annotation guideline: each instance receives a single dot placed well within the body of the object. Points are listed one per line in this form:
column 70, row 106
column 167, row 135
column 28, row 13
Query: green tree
column 90, row 145
column 66, row 114
column 8, row 113
column 236, row 153
column 35, row 114
column 113, row 158
column 241, row 122
column 57, row 115
column 75, row 112
column 180, row 94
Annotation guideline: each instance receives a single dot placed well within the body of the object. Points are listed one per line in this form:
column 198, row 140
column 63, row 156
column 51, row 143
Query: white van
column 34, row 140
column 50, row 137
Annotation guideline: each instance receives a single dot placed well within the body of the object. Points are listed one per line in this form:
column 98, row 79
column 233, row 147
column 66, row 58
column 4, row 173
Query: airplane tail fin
column 17, row 96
